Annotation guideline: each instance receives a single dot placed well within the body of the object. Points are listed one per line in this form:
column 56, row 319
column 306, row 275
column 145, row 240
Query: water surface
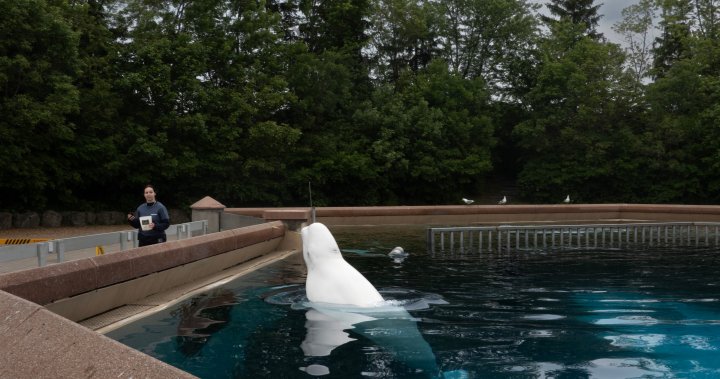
column 643, row 313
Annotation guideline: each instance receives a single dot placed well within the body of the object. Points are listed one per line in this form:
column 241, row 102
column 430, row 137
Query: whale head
column 330, row 279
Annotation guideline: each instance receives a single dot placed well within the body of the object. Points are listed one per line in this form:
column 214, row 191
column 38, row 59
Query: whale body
column 342, row 299
column 330, row 279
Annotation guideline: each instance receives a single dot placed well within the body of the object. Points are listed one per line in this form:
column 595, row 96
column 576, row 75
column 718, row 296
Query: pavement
column 57, row 233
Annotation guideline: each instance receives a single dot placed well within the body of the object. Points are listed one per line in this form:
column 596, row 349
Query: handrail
column 126, row 239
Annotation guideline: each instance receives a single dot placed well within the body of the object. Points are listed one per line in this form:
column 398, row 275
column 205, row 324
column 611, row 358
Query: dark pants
column 145, row 241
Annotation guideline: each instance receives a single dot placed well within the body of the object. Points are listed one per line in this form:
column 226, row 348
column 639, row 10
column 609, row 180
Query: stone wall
column 53, row 219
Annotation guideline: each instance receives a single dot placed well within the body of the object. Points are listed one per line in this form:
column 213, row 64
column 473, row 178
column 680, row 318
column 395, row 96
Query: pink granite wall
column 36, row 343
column 496, row 214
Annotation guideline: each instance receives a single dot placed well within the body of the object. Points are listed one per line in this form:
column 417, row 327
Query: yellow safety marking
column 21, row 241
column 99, row 250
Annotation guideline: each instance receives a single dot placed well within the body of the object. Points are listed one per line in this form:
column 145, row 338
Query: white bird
column 467, row 201
column 503, row 201
column 567, row 200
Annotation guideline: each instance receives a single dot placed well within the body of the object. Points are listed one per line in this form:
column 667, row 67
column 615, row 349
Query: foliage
column 370, row 102
column 38, row 64
column 583, row 13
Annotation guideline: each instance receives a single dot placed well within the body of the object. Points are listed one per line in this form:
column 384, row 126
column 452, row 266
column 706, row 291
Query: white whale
column 330, row 279
column 342, row 299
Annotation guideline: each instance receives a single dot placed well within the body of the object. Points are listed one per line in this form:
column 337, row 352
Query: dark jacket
column 160, row 218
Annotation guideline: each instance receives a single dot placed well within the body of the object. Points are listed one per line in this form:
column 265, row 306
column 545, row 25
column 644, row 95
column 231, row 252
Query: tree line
column 370, row 102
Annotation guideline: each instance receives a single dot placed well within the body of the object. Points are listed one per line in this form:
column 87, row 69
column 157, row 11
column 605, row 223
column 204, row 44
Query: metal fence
column 535, row 237
column 107, row 242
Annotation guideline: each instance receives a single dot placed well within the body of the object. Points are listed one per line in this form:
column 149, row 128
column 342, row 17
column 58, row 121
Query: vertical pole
column 470, row 241
column 430, row 238
column 60, row 248
column 42, row 250
column 123, row 243
column 480, row 241
column 527, row 244
column 489, row 240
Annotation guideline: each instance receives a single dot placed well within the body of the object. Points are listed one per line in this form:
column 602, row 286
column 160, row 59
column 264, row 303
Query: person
column 151, row 219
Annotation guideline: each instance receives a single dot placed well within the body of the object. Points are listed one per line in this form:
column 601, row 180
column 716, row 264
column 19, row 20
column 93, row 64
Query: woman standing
column 151, row 219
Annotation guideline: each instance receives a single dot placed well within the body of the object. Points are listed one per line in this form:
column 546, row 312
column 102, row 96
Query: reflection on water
column 564, row 314
column 201, row 317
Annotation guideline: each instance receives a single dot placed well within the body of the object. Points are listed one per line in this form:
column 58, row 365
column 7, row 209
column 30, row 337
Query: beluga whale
column 341, row 299
column 330, row 279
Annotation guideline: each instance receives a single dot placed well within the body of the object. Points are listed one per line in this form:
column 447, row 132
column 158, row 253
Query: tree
column 683, row 103
column 580, row 136
column 488, row 39
column 434, row 135
column 38, row 65
column 636, row 27
column 578, row 12
column 203, row 74
column 404, row 37
column 673, row 44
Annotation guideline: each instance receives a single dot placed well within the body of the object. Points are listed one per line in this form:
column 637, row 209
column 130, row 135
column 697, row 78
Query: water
column 650, row 313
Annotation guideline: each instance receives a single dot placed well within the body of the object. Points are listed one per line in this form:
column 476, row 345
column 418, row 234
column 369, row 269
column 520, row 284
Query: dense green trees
column 372, row 101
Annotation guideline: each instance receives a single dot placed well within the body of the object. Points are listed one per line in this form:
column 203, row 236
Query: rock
column 51, row 219
column 90, row 218
column 109, row 218
column 5, row 220
column 74, row 219
column 27, row 220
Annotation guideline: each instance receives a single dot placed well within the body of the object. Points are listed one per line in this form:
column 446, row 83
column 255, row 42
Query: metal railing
column 534, row 237
column 115, row 241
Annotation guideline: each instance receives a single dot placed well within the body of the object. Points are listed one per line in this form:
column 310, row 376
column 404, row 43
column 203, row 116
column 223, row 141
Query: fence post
column 123, row 243
column 42, row 251
column 60, row 250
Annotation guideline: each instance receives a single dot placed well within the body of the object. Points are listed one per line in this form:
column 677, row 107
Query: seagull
column 567, row 200
column 467, row 201
column 503, row 201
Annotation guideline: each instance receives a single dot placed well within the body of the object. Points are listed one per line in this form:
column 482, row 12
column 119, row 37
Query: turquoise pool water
column 652, row 313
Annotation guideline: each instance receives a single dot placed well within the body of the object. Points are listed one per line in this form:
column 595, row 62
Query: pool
column 601, row 313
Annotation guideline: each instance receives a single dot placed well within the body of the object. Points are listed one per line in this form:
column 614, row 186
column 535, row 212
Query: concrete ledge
column 43, row 285
column 496, row 214
column 103, row 299
column 286, row 214
column 69, row 350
